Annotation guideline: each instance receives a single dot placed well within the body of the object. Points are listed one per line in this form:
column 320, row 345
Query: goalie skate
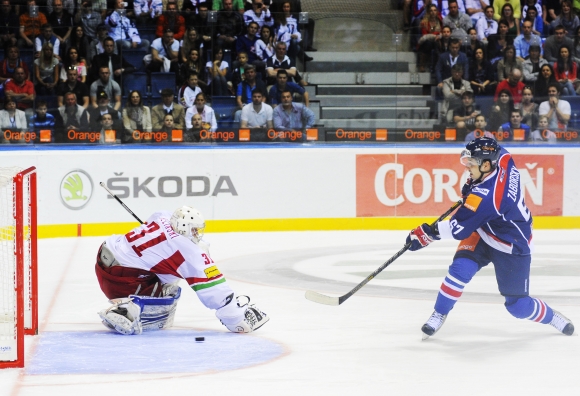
column 433, row 324
column 562, row 324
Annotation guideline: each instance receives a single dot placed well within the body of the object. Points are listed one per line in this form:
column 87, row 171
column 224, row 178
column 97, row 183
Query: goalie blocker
column 143, row 289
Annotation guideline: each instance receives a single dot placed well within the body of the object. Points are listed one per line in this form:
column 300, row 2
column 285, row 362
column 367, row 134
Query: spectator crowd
column 67, row 65
column 523, row 54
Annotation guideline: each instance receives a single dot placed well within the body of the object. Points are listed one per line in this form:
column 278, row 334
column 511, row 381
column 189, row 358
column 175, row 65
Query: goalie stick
column 121, row 202
column 327, row 300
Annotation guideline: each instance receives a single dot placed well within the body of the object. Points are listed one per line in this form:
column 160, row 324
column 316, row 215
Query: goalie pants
column 119, row 282
column 512, row 273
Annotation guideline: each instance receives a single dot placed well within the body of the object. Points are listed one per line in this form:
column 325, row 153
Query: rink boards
column 264, row 188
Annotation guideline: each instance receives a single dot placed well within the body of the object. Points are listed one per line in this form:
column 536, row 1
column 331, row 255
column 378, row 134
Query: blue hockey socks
column 460, row 273
column 529, row 308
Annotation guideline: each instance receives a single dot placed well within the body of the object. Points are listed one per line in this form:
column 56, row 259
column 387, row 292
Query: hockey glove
column 466, row 189
column 421, row 237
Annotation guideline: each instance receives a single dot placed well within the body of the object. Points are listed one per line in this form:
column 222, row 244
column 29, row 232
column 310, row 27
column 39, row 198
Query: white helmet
column 189, row 222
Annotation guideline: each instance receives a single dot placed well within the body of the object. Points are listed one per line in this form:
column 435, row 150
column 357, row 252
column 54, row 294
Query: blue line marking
column 166, row 351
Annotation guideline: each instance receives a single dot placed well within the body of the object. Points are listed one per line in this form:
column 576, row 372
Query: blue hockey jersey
column 496, row 210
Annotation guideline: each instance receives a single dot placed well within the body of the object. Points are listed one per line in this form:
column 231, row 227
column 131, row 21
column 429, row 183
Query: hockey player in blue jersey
column 494, row 225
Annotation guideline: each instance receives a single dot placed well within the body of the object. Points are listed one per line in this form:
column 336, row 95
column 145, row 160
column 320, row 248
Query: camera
column 33, row 11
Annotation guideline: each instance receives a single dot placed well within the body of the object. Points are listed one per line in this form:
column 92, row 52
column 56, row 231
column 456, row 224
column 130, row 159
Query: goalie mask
column 189, row 222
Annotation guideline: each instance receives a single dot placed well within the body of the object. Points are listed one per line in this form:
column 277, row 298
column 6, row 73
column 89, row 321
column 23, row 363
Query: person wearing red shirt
column 171, row 20
column 512, row 84
column 566, row 71
column 21, row 91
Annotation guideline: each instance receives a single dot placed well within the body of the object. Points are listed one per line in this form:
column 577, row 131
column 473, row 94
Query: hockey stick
column 327, row 300
column 121, row 202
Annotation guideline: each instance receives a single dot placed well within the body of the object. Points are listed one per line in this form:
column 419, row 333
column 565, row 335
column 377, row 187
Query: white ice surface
column 367, row 346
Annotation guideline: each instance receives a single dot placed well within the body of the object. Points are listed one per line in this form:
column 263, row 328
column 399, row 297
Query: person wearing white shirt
column 188, row 92
column 122, row 29
column 475, row 9
column 257, row 114
column 486, row 25
column 207, row 114
column 164, row 51
column 259, row 14
column 12, row 118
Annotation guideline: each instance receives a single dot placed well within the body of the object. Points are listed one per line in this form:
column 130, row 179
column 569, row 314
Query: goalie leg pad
column 239, row 316
column 123, row 316
column 158, row 312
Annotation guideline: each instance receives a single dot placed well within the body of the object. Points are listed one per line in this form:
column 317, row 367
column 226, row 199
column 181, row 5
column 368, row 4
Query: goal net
column 18, row 259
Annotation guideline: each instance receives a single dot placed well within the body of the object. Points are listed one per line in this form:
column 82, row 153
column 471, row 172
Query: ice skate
column 433, row 324
column 562, row 324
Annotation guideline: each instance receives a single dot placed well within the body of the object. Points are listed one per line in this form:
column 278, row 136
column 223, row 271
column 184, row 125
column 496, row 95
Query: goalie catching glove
column 422, row 236
column 239, row 316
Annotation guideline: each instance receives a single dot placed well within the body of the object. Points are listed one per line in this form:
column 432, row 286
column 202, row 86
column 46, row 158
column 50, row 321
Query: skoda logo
column 76, row 189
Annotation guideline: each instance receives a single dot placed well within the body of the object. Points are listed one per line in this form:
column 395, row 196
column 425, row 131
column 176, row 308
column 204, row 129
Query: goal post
column 18, row 263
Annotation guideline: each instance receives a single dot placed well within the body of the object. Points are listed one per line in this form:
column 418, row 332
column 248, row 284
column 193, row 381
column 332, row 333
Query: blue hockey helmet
column 480, row 150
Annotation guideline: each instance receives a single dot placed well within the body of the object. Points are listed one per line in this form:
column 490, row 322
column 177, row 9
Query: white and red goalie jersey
column 155, row 247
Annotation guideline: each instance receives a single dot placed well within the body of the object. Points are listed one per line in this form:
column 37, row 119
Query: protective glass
column 467, row 160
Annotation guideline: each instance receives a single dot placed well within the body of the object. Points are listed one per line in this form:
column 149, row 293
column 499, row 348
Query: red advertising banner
column 427, row 184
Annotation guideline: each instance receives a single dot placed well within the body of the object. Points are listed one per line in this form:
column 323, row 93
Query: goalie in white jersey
column 139, row 273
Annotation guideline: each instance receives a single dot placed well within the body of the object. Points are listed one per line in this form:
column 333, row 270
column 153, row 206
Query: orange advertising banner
column 427, row 184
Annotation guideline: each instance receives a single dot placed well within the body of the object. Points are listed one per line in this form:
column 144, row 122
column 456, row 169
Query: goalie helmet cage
column 18, row 263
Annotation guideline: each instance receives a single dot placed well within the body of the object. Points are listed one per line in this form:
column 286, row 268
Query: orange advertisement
column 428, row 184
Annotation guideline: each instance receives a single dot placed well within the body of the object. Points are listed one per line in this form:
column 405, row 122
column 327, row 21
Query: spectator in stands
column 171, row 20
column 230, row 26
column 164, row 54
column 533, row 65
column 42, row 119
column 193, row 134
column 168, row 125
column 576, row 47
column 292, row 116
column 453, row 89
column 167, row 106
column 47, row 36
column 286, row 29
column 481, row 74
column 71, row 60
column 431, row 27
column 30, row 23
column 203, row 27
column 472, row 45
column 523, row 42
column 265, row 45
column 531, row 5
column 89, row 19
column 257, row 114
column 537, row 23
column 513, row 84
column 567, row 18
column 497, row 43
column 188, row 92
column 190, row 41
column 207, row 114
column 9, row 25
column 122, row 29
column 81, row 43
column 508, row 63
column 136, row 116
column 146, row 11
column 259, row 14
column 475, row 9
column 62, row 23
column 68, row 6
column 442, row 43
column 107, row 84
column 217, row 69
column 514, row 123
column 550, row 10
column 546, row 77
column 20, row 90
column 280, row 61
column 220, row 5
column 108, row 57
column 105, row 123
column 501, row 110
column 543, row 133
column 97, row 46
column 480, row 129
column 512, row 19
column 566, row 71
column 247, row 42
column 529, row 108
column 245, row 89
column 103, row 107
column 12, row 118
column 193, row 65
column 449, row 59
column 464, row 114
column 458, row 21
column 72, row 84
column 9, row 64
column 555, row 42
column 70, row 116
column 282, row 84
column 307, row 29
column 46, row 71
column 486, row 25
column 239, row 67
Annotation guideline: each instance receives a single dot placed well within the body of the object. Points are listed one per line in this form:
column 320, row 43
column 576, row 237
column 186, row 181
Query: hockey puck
column 200, row 338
